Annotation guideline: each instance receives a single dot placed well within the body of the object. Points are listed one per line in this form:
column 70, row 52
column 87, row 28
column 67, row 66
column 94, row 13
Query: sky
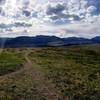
column 62, row 18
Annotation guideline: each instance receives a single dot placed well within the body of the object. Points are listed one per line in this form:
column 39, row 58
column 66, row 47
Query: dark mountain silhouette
column 96, row 39
column 41, row 41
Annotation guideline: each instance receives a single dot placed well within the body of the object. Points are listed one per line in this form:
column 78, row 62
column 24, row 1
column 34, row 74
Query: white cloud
column 91, row 9
column 78, row 17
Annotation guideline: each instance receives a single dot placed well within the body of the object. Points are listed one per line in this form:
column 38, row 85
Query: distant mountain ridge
column 41, row 41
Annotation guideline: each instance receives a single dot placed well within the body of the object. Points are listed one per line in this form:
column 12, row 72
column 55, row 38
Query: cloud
column 91, row 9
column 34, row 14
column 55, row 9
column 2, row 2
column 59, row 15
column 80, row 30
column 76, row 17
column 16, row 24
column 5, row 26
column 21, row 24
column 95, row 3
column 26, row 13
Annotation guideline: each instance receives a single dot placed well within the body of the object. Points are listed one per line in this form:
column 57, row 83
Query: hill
column 43, row 41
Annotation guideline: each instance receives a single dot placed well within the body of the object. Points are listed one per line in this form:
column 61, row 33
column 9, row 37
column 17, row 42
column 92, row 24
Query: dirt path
column 45, row 88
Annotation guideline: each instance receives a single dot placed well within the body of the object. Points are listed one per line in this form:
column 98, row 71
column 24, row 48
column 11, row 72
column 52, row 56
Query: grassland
column 10, row 62
column 53, row 73
column 75, row 71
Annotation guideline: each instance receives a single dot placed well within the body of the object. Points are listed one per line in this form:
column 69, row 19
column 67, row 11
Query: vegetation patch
column 75, row 70
column 10, row 62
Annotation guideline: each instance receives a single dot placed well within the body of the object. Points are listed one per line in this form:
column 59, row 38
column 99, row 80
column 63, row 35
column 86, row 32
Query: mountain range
column 42, row 41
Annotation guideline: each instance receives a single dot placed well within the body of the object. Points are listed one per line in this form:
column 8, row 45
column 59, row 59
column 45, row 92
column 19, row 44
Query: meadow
column 10, row 61
column 50, row 73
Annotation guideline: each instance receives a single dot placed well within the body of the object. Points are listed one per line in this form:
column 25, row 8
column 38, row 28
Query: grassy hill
column 52, row 73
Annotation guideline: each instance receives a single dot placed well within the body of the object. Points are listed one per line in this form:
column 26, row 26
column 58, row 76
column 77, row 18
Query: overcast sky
column 62, row 18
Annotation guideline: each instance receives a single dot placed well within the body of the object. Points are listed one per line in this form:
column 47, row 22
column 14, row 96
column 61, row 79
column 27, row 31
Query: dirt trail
column 45, row 88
